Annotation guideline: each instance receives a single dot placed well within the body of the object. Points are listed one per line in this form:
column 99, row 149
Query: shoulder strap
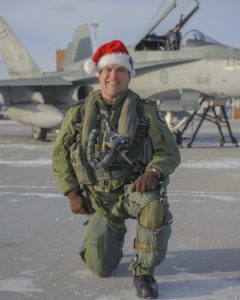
column 142, row 124
column 79, row 120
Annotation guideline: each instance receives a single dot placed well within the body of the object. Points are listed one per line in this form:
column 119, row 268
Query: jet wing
column 65, row 80
column 30, row 82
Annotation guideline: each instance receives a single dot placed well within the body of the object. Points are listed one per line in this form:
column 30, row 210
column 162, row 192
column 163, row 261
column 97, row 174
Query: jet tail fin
column 80, row 47
column 18, row 61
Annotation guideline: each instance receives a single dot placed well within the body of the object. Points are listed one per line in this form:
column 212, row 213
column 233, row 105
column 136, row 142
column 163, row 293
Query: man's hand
column 149, row 181
column 77, row 202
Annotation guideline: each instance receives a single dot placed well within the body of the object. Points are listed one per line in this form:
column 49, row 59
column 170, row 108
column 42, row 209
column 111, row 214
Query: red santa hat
column 112, row 53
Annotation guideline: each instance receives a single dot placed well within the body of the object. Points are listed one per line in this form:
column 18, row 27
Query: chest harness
column 105, row 144
column 109, row 154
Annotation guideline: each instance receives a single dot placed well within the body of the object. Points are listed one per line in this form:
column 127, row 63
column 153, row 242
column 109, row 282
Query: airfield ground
column 40, row 237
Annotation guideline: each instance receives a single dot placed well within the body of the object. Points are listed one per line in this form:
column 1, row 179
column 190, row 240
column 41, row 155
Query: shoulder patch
column 161, row 116
column 155, row 106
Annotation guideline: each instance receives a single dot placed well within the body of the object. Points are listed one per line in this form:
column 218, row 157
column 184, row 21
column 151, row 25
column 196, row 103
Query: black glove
column 149, row 181
column 78, row 203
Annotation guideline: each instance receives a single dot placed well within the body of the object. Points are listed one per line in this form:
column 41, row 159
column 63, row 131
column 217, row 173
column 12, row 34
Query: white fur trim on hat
column 90, row 67
column 110, row 59
column 120, row 59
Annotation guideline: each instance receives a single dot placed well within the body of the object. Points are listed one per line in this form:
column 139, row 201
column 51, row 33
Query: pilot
column 112, row 159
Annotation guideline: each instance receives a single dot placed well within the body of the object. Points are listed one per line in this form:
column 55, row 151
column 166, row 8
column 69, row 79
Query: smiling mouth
column 113, row 84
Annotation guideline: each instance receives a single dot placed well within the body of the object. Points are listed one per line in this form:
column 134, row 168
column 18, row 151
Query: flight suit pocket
column 83, row 171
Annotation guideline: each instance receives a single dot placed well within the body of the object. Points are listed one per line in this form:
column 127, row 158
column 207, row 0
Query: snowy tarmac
column 40, row 237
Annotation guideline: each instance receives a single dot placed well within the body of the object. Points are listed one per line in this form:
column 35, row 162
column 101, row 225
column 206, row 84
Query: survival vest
column 127, row 119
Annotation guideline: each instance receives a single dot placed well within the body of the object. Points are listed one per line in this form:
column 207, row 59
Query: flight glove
column 149, row 181
column 78, row 202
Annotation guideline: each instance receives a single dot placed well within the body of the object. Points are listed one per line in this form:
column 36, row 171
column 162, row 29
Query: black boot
column 146, row 286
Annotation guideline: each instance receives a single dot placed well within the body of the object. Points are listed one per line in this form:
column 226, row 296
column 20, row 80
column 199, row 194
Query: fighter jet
column 41, row 99
column 178, row 72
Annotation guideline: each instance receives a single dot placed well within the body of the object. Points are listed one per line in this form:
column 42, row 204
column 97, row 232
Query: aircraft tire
column 38, row 133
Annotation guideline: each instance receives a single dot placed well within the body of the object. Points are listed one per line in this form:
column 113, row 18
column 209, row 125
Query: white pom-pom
column 90, row 67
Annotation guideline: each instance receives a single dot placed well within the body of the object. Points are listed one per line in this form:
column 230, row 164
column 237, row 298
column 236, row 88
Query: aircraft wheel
column 39, row 133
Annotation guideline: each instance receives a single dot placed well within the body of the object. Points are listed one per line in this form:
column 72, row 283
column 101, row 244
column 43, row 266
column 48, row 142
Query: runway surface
column 40, row 237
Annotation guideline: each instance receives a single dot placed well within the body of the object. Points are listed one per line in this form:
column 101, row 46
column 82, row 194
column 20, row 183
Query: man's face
column 113, row 80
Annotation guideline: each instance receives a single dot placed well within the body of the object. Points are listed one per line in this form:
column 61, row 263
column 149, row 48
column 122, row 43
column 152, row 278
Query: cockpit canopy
column 195, row 38
column 174, row 41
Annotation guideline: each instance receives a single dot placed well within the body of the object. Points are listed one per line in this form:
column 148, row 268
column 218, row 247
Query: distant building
column 236, row 109
column 60, row 55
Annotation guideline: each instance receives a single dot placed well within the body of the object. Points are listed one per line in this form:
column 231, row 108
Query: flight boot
column 146, row 286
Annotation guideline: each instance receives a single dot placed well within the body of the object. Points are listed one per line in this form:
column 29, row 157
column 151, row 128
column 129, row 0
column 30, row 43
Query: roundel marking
column 164, row 77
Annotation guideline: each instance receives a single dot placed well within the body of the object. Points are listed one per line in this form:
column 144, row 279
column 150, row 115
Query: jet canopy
column 167, row 39
column 195, row 38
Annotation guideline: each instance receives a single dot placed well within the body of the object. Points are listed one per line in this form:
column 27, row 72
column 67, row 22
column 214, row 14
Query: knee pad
column 151, row 247
column 136, row 202
column 153, row 214
column 102, row 249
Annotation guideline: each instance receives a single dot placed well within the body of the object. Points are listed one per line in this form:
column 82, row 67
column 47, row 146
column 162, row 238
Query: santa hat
column 112, row 53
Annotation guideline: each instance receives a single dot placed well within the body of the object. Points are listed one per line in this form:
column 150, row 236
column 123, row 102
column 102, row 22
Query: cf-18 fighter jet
column 41, row 99
column 179, row 72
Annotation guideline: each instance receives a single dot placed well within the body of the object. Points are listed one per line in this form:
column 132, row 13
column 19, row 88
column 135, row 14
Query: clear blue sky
column 43, row 26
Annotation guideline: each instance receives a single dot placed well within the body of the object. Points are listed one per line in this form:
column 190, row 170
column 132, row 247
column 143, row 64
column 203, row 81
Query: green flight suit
column 110, row 191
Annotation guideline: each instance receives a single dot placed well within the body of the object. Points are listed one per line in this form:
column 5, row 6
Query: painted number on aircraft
column 164, row 77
